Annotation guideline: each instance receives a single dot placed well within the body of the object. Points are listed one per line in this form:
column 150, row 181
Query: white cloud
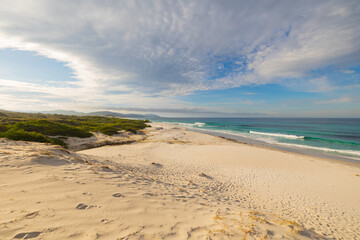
column 312, row 85
column 336, row 100
column 18, row 95
column 326, row 35
column 156, row 49
column 348, row 71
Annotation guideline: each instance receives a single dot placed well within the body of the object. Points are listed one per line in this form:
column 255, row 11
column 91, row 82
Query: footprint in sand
column 27, row 235
column 156, row 164
column 118, row 195
column 105, row 220
column 82, row 206
column 205, row 176
column 149, row 194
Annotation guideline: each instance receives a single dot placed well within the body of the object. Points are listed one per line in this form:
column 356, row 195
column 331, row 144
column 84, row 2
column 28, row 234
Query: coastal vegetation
column 53, row 128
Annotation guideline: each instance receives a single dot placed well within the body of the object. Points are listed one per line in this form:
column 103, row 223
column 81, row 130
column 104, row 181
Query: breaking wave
column 195, row 124
column 278, row 135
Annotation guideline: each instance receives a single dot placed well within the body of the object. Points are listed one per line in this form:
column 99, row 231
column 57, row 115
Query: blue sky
column 182, row 58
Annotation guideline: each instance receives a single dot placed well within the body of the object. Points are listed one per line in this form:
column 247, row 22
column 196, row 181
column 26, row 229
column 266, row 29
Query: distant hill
column 102, row 113
column 65, row 112
column 106, row 113
column 115, row 114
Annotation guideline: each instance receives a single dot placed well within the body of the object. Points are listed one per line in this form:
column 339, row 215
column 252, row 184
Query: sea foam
column 195, row 124
column 199, row 124
column 340, row 151
column 278, row 135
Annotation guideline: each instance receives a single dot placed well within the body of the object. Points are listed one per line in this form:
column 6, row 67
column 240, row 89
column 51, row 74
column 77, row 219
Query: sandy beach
column 174, row 183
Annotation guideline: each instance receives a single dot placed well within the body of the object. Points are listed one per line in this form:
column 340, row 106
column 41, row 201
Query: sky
column 206, row 58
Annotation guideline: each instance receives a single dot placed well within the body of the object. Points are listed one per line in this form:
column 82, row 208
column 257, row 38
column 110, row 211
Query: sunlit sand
column 174, row 184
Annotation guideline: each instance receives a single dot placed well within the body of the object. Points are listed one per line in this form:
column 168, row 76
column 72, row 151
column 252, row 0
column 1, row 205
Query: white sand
column 175, row 184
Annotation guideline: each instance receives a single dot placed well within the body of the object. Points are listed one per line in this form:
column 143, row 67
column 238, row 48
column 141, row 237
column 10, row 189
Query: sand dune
column 175, row 184
column 99, row 139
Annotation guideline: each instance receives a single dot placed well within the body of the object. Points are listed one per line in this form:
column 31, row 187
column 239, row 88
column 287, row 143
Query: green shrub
column 38, row 127
column 3, row 128
column 52, row 128
column 58, row 141
column 20, row 134
column 108, row 129
column 130, row 129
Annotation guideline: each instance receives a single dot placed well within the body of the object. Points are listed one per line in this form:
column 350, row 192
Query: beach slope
column 174, row 184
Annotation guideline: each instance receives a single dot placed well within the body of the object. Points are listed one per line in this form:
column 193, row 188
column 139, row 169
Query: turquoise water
column 331, row 135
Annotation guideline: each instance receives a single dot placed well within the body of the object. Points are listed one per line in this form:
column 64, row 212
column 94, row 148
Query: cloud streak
column 336, row 100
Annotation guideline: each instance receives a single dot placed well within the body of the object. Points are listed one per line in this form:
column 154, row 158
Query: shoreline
column 294, row 150
column 257, row 143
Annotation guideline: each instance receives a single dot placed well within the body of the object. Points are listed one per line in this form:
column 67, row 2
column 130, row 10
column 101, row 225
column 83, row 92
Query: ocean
column 337, row 137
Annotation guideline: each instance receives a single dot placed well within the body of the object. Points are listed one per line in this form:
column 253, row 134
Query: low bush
column 20, row 134
column 108, row 129
column 58, row 141
column 3, row 128
column 38, row 127
column 52, row 128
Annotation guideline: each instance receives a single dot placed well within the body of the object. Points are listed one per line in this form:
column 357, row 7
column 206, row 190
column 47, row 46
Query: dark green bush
column 108, row 130
column 58, row 141
column 3, row 128
column 52, row 128
column 38, row 127
column 20, row 134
